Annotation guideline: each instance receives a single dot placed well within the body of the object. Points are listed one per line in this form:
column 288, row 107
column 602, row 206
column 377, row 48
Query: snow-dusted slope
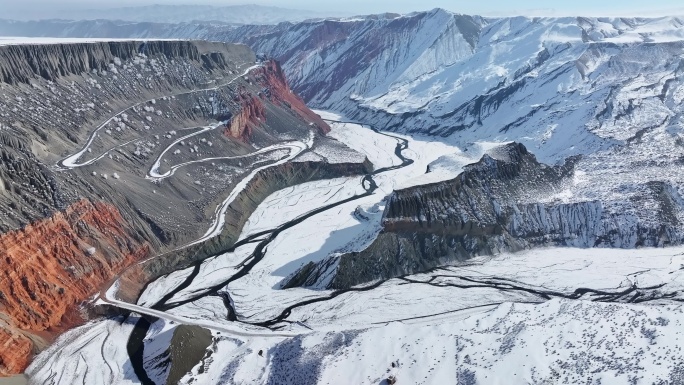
column 607, row 89
column 542, row 81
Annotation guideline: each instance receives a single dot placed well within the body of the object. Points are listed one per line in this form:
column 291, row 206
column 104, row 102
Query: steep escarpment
column 23, row 63
column 49, row 267
column 277, row 89
column 17, row 350
column 503, row 203
column 250, row 116
column 28, row 189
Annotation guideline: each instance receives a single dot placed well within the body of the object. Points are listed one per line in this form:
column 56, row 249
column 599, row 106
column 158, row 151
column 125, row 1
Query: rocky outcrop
column 23, row 63
column 188, row 347
column 28, row 190
column 251, row 115
column 276, row 88
column 16, row 351
column 185, row 347
column 499, row 204
column 51, row 266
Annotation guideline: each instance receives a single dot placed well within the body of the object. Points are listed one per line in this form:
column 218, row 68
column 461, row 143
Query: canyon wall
column 48, row 268
column 277, row 89
column 503, row 203
column 274, row 88
column 23, row 63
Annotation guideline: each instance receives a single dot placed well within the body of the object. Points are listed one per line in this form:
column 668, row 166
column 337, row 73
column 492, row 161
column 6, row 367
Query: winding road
column 154, row 174
column 72, row 161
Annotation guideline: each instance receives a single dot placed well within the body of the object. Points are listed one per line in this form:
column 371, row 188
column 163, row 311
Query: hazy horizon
column 42, row 8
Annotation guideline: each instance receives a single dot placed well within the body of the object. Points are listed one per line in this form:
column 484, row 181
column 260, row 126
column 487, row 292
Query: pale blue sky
column 483, row 7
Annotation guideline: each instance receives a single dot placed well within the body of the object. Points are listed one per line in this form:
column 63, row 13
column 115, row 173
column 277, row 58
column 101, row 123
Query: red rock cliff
column 50, row 267
column 16, row 350
column 272, row 78
column 251, row 114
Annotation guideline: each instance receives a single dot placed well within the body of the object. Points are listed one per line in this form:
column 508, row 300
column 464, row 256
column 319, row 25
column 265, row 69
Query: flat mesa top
column 13, row 40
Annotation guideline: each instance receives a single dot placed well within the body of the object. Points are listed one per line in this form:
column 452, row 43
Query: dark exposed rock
column 492, row 207
column 24, row 63
column 187, row 348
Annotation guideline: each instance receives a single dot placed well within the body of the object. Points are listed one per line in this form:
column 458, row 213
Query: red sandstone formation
column 274, row 87
column 251, row 115
column 15, row 352
column 50, row 267
column 272, row 78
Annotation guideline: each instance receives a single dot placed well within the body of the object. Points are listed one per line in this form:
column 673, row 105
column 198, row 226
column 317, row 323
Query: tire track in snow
column 154, row 175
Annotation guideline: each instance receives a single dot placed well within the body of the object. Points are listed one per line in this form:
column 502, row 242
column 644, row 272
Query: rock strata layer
column 500, row 204
column 48, row 268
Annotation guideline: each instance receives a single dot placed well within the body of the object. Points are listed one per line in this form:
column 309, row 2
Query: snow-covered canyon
column 521, row 222
column 502, row 319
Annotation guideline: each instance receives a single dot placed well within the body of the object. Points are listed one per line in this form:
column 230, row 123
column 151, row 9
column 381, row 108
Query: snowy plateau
column 506, row 206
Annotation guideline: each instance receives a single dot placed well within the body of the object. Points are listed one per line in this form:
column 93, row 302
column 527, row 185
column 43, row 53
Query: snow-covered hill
column 542, row 81
column 607, row 89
